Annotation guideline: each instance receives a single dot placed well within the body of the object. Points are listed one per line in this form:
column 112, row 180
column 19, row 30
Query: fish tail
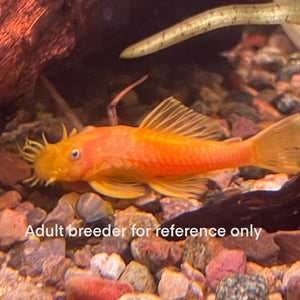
column 278, row 146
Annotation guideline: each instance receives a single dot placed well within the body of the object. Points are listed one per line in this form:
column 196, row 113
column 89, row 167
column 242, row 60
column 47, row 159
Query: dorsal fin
column 171, row 116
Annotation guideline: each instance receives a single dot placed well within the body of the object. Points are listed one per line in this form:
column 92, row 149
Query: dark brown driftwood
column 269, row 210
column 31, row 33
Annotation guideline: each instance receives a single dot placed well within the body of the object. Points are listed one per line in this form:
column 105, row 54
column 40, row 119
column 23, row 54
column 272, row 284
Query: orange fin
column 234, row 139
column 187, row 186
column 118, row 189
column 278, row 146
column 172, row 117
column 73, row 132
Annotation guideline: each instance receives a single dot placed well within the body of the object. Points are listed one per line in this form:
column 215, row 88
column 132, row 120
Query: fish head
column 66, row 160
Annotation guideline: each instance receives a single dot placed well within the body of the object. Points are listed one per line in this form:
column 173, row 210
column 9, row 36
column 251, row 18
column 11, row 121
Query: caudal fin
column 278, row 146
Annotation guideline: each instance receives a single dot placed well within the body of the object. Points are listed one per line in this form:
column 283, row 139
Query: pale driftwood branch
column 111, row 108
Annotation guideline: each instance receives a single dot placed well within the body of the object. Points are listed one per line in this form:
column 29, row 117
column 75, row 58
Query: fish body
column 172, row 151
column 147, row 153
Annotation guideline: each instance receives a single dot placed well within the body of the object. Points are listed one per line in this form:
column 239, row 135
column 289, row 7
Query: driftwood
column 31, row 33
column 270, row 210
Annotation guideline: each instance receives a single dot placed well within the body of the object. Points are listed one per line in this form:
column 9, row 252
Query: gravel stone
column 111, row 266
column 242, row 287
column 139, row 276
column 173, row 285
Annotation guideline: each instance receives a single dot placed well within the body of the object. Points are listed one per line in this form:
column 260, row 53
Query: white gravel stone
column 111, row 266
column 173, row 285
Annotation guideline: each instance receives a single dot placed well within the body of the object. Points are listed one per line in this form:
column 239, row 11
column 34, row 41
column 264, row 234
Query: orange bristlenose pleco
column 173, row 151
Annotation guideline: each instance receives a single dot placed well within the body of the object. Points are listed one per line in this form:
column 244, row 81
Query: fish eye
column 75, row 154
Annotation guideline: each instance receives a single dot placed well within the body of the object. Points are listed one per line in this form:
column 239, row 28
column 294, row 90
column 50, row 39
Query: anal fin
column 188, row 186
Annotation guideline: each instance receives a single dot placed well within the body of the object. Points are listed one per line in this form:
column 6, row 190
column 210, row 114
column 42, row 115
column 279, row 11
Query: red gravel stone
column 227, row 262
column 96, row 288
column 263, row 250
column 267, row 112
column 10, row 199
column 13, row 168
column 13, row 226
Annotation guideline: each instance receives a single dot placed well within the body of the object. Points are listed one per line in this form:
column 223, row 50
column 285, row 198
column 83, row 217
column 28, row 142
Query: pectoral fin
column 118, row 189
column 178, row 186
